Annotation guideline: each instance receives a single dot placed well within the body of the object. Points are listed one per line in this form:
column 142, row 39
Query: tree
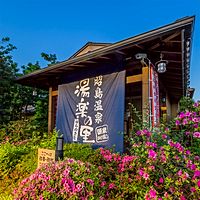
column 15, row 99
column 40, row 100
column 51, row 58
column 8, row 71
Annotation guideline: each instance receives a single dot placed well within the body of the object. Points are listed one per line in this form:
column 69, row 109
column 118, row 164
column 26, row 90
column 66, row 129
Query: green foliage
column 22, row 131
column 136, row 118
column 83, row 152
column 16, row 100
column 38, row 101
column 186, row 128
column 16, row 162
column 16, row 131
column 186, row 103
column 30, row 67
column 48, row 140
column 51, row 58
column 41, row 113
column 8, row 70
column 10, row 155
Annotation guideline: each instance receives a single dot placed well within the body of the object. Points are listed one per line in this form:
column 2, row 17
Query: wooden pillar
column 168, row 106
column 174, row 109
column 50, row 114
column 145, row 94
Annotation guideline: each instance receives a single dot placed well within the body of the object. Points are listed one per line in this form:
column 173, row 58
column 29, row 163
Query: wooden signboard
column 45, row 156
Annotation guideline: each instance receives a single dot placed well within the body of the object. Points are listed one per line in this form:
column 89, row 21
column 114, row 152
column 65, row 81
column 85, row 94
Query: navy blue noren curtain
column 92, row 111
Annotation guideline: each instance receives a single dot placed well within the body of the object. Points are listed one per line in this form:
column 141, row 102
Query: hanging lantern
column 161, row 65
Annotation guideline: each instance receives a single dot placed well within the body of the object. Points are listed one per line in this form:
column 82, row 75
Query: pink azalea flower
column 41, row 197
column 151, row 167
column 147, row 197
column 152, row 193
column 179, row 172
column 103, row 183
column 161, row 180
column 187, row 133
column 198, row 183
column 141, row 172
column 164, row 136
column 188, row 152
column 196, row 134
column 182, row 115
column 100, row 168
column 156, row 184
column 108, row 157
column 90, row 181
column 79, row 187
column 152, row 154
column 145, row 176
column 182, row 198
column 166, row 195
column 192, row 189
column 193, row 167
column 111, row 185
column 167, row 129
column 185, row 121
column 196, row 173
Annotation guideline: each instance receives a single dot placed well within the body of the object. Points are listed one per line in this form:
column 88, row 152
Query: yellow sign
column 45, row 156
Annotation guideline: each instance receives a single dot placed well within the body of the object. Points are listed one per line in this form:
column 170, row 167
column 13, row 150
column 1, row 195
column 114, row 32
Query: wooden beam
column 120, row 52
column 172, row 36
column 145, row 94
column 89, row 61
column 175, row 41
column 168, row 80
column 169, row 52
column 54, row 93
column 174, row 61
column 173, row 87
column 165, row 40
column 77, row 65
column 169, row 76
column 50, row 111
column 134, row 78
column 140, row 46
column 104, row 57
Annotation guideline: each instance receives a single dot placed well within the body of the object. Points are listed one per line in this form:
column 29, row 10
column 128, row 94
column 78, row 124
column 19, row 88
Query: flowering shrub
column 158, row 168
column 150, row 172
column 169, row 170
column 69, row 179
column 188, row 128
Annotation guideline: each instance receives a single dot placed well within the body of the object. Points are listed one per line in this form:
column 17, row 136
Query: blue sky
column 64, row 26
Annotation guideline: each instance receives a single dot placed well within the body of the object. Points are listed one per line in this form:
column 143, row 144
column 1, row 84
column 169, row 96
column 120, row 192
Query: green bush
column 19, row 160
column 83, row 152
column 16, row 131
column 10, row 156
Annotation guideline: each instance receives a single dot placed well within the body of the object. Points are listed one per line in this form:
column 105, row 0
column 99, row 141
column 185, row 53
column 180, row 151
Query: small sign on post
column 45, row 156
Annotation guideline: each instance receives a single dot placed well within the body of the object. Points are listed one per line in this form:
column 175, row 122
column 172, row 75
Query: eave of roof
column 114, row 47
column 36, row 79
column 89, row 44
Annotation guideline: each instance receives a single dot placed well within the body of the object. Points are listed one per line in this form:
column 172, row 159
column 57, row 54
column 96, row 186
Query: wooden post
column 145, row 94
column 168, row 106
column 50, row 111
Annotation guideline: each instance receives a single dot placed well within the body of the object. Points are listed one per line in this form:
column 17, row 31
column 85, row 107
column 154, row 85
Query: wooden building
column 172, row 41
